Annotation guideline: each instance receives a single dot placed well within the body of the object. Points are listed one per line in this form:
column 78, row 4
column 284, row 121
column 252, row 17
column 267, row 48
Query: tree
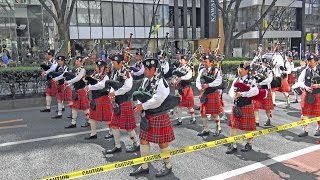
column 61, row 13
column 229, row 12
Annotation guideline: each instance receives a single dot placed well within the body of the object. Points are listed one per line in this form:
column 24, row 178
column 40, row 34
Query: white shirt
column 252, row 92
column 140, row 72
column 52, row 67
column 302, row 76
column 188, row 76
column 81, row 74
column 128, row 83
column 158, row 98
column 61, row 76
column 277, row 62
column 216, row 82
column 165, row 67
column 268, row 80
column 99, row 85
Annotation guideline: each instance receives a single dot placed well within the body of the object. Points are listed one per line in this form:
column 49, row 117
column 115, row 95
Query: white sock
column 305, row 127
column 233, row 132
column 133, row 136
column 62, row 104
column 60, row 109
column 166, row 160
column 205, row 123
column 74, row 114
column 87, row 113
column 274, row 97
column 144, row 151
column 218, row 122
column 256, row 116
column 48, row 101
column 116, row 135
column 110, row 130
column 295, row 95
column 178, row 113
column 93, row 126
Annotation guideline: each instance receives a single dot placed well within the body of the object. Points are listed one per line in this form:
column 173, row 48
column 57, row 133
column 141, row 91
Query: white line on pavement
column 265, row 163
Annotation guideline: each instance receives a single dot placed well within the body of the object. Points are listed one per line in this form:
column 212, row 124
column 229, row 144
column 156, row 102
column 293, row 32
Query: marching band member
column 101, row 109
column 160, row 130
column 291, row 80
column 124, row 119
column 79, row 95
column 242, row 115
column 210, row 95
column 298, row 71
column 310, row 99
column 185, row 91
column 266, row 103
column 138, row 66
column 60, row 96
column 277, row 63
column 285, row 86
column 51, row 88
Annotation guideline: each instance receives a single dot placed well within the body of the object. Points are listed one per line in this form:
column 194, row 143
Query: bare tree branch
column 223, row 11
column 230, row 5
column 9, row 5
column 235, row 16
column 70, row 12
column 63, row 8
column 57, row 7
column 49, row 11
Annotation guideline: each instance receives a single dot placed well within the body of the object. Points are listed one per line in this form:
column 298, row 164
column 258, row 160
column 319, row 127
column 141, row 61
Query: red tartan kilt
column 265, row 103
column 68, row 94
column 60, row 94
column 160, row 130
column 213, row 105
column 187, row 99
column 310, row 109
column 53, row 90
column 104, row 109
column 247, row 122
column 285, row 87
column 291, row 79
column 82, row 103
column 126, row 120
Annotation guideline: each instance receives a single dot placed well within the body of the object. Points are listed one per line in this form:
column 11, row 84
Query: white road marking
column 10, row 121
column 265, row 163
column 15, row 126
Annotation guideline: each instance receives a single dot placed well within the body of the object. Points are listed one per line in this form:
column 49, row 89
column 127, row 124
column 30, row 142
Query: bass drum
column 297, row 88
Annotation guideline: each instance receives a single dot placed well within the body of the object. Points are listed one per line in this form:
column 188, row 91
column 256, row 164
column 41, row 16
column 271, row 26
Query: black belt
column 121, row 99
column 243, row 101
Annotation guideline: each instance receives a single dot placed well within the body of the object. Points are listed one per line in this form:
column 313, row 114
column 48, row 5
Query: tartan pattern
column 104, row 109
column 247, row 122
column 126, row 120
column 160, row 131
column 187, row 99
column 285, row 87
column 310, row 109
column 60, row 94
column 82, row 103
column 213, row 105
column 291, row 79
column 68, row 94
column 53, row 90
column 265, row 103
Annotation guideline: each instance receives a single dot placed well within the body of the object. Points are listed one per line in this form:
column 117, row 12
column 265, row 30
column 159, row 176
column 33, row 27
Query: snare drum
column 298, row 90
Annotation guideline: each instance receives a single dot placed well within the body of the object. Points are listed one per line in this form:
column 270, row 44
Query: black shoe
column 57, row 117
column 317, row 133
column 91, row 137
column 231, row 149
column 274, row 105
column 247, row 147
column 134, row 148
column 109, row 136
column 70, row 126
column 197, row 108
column 164, row 171
column 69, row 117
column 268, row 123
column 192, row 122
column 86, row 124
column 113, row 150
column 62, row 110
column 257, row 124
column 204, row 133
column 178, row 123
column 139, row 171
column 45, row 110
column 296, row 101
column 303, row 134
column 217, row 132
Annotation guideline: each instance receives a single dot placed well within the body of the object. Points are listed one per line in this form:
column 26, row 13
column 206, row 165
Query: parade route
column 44, row 149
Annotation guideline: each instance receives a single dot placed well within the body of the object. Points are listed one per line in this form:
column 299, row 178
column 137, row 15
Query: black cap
column 50, row 52
column 117, row 57
column 184, row 57
column 61, row 58
column 210, row 57
column 148, row 63
column 311, row 56
column 138, row 53
column 101, row 63
column 79, row 58
column 245, row 65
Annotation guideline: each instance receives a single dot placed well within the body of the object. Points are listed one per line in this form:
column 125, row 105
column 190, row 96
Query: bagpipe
column 46, row 67
column 255, row 64
column 242, row 87
column 77, row 85
column 95, row 94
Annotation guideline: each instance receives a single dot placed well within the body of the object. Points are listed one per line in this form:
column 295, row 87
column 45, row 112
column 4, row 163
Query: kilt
column 60, row 94
column 213, row 105
column 104, row 109
column 285, row 87
column 291, row 79
column 68, row 94
column 247, row 122
column 126, row 120
column 160, row 130
column 310, row 109
column 187, row 99
column 265, row 104
column 53, row 90
column 82, row 103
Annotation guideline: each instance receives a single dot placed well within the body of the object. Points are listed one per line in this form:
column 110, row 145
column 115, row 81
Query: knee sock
column 233, row 132
column 305, row 127
column 60, row 105
column 93, row 126
column 274, row 97
column 191, row 110
column 205, row 123
column 87, row 113
column 74, row 113
column 166, row 160
column 218, row 122
column 116, row 134
column 256, row 116
column 48, row 101
column 133, row 136
column 144, row 151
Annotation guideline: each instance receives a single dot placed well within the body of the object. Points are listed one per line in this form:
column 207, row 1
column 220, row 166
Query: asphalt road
column 33, row 146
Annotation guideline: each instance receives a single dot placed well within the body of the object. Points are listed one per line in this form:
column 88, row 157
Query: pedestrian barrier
column 188, row 149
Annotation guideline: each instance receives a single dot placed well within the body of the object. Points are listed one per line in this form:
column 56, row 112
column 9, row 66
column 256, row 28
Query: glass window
column 128, row 14
column 106, row 14
column 118, row 14
column 34, row 11
column 95, row 16
column 83, row 13
column 148, row 12
column 166, row 15
column 138, row 15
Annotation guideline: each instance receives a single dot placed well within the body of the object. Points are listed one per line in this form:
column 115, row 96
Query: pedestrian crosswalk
column 12, row 123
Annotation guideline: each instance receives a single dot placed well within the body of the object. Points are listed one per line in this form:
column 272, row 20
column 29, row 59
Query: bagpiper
column 209, row 95
column 123, row 116
column 158, row 129
column 242, row 115
column 101, row 109
column 310, row 99
column 79, row 94
column 297, row 71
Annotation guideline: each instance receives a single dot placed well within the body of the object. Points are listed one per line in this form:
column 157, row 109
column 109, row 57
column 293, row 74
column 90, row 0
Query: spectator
column 5, row 57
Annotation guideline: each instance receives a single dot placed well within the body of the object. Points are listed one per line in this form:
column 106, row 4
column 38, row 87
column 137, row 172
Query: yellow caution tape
column 184, row 150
